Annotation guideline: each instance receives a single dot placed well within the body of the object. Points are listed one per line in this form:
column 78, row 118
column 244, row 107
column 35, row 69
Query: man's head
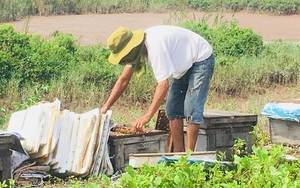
column 123, row 41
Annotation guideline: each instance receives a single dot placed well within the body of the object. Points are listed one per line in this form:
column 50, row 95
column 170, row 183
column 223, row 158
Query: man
column 170, row 51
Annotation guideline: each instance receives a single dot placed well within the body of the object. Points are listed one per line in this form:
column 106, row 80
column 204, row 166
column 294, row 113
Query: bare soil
column 95, row 28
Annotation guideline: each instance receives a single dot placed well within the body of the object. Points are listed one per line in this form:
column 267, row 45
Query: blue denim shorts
column 187, row 95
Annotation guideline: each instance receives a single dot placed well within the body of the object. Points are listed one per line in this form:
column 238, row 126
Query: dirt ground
column 95, row 28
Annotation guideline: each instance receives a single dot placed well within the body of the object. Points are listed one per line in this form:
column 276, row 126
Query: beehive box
column 221, row 128
column 137, row 160
column 121, row 145
column 6, row 143
column 284, row 132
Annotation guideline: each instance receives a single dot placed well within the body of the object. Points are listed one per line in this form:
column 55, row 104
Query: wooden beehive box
column 6, row 143
column 121, row 145
column 137, row 160
column 284, row 132
column 221, row 128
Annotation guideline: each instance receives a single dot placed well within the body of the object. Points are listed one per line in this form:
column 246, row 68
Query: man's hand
column 140, row 122
column 103, row 110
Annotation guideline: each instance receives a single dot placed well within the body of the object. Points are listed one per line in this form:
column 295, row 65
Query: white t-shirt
column 172, row 50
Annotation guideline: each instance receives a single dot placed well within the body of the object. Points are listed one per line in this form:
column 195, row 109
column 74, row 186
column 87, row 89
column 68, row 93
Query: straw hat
column 121, row 42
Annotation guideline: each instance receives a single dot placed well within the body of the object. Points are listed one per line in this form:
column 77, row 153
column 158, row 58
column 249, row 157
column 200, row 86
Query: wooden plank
column 148, row 133
column 162, row 121
column 121, row 148
column 6, row 142
column 211, row 139
column 7, row 139
column 226, row 124
column 284, row 132
column 170, row 143
column 6, row 164
column 137, row 160
column 226, row 138
column 145, row 147
column 222, row 113
column 134, row 139
column 234, row 121
column 119, row 157
column 6, row 146
column 219, row 119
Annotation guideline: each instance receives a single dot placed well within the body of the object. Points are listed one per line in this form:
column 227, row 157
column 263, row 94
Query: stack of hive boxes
column 70, row 143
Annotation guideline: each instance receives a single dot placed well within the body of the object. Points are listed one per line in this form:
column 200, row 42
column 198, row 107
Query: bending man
column 174, row 52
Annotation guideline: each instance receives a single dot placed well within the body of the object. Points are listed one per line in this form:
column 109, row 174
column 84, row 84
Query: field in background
column 93, row 29
column 16, row 9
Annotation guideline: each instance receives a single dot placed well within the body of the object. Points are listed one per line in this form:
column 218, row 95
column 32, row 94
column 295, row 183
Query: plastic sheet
column 176, row 158
column 283, row 111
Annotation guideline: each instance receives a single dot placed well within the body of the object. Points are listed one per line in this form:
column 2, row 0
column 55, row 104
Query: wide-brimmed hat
column 121, row 42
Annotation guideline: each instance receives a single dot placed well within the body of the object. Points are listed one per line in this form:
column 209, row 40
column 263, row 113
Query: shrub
column 92, row 64
column 262, row 168
column 31, row 59
column 228, row 40
column 14, row 47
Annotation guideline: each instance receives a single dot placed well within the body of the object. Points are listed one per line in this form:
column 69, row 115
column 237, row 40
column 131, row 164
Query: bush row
column 31, row 59
column 243, row 61
column 228, row 39
column 262, row 168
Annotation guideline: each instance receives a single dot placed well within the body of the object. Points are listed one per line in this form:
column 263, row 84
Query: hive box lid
column 221, row 119
column 148, row 132
column 138, row 159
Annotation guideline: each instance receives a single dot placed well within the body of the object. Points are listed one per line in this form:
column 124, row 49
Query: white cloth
column 172, row 50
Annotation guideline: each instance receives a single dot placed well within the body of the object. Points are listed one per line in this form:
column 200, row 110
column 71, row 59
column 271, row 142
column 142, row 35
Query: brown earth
column 95, row 28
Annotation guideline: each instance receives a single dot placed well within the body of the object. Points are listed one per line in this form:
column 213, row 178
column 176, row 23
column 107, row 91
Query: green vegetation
column 16, row 9
column 263, row 168
column 228, row 39
column 81, row 77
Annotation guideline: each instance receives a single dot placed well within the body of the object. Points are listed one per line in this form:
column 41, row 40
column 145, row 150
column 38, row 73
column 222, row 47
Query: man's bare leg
column 192, row 135
column 176, row 129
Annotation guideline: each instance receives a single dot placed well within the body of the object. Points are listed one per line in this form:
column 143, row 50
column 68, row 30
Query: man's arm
column 159, row 95
column 118, row 88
